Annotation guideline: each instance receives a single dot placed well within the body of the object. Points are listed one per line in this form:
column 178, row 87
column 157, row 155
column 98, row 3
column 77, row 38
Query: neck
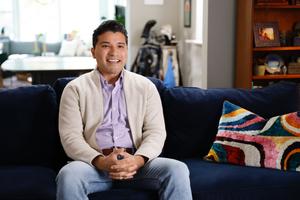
column 111, row 78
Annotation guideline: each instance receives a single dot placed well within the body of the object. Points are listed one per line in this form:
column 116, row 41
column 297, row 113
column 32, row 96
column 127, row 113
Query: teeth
column 113, row 60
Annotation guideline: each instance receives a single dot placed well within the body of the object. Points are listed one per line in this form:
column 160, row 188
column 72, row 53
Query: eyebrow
column 104, row 42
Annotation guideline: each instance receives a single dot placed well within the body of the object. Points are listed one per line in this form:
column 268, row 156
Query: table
column 45, row 70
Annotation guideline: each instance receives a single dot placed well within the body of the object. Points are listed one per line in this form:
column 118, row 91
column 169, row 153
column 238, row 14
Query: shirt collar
column 104, row 83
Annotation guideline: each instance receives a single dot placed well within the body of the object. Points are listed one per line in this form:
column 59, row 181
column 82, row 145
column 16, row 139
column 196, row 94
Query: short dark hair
column 109, row 25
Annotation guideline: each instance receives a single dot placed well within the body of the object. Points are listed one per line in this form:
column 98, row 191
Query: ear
column 93, row 52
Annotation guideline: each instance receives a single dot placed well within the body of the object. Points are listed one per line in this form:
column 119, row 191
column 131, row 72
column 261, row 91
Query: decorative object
column 294, row 68
column 266, row 34
column 36, row 48
column 187, row 13
column 260, row 70
column 296, row 39
column 247, row 139
column 284, row 69
column 283, row 38
column 272, row 2
column 273, row 63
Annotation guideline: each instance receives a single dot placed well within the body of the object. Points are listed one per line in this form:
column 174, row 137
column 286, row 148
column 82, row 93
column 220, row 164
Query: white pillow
column 68, row 48
column 80, row 49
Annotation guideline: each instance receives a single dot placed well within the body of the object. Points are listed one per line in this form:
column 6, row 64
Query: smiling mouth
column 113, row 60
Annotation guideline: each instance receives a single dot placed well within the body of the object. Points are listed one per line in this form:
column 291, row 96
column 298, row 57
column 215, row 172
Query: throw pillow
column 68, row 48
column 247, row 139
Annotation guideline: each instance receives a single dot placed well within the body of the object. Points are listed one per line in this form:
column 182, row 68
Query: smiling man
column 111, row 124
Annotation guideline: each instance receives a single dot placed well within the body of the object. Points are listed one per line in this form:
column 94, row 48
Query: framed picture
column 272, row 2
column 266, row 34
column 187, row 13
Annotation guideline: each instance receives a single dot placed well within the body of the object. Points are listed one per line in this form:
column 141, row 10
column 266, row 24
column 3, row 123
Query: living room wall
column 138, row 14
column 208, row 65
column 211, row 64
column 220, row 46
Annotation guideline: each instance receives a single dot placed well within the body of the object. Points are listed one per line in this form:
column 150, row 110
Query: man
column 111, row 123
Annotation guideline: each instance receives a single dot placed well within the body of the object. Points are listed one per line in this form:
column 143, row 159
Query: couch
column 20, row 49
column 11, row 47
column 75, row 47
column 31, row 153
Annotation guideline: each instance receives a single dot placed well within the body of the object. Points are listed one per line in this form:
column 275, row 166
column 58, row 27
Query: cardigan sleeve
column 153, row 130
column 71, row 127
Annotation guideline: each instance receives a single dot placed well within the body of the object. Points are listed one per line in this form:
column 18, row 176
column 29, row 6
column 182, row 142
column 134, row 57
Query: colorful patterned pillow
column 245, row 138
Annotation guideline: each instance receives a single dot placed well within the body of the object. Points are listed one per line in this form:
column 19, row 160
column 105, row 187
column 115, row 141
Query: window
column 199, row 21
column 24, row 19
column 6, row 17
column 38, row 17
column 196, row 36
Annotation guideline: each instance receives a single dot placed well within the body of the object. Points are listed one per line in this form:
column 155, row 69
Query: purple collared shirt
column 114, row 130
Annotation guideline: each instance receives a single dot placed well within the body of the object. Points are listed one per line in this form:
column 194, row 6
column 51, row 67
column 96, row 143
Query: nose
column 112, row 50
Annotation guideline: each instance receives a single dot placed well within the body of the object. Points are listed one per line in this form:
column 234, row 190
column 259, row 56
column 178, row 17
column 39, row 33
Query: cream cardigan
column 81, row 113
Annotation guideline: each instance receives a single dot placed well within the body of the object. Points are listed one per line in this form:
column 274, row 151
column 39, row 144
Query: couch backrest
column 18, row 47
column 28, row 124
column 192, row 114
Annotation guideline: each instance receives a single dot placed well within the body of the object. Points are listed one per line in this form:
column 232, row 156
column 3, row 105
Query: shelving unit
column 248, row 13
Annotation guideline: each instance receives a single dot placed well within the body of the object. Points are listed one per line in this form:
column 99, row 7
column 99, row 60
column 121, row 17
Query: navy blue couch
column 31, row 153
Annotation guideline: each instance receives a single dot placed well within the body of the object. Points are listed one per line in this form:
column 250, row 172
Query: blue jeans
column 170, row 177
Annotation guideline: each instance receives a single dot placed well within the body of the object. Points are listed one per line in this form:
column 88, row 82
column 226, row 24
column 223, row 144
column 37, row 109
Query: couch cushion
column 125, row 194
column 221, row 181
column 53, row 47
column 245, row 138
column 59, row 86
column 27, row 182
column 192, row 114
column 17, row 47
column 159, row 85
column 29, row 133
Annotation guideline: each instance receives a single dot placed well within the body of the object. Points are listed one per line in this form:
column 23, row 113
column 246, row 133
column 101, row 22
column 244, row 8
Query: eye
column 104, row 45
column 121, row 46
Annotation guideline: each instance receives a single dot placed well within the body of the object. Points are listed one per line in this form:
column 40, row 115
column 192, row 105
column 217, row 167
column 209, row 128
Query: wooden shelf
column 292, row 48
column 274, row 77
column 247, row 55
column 277, row 6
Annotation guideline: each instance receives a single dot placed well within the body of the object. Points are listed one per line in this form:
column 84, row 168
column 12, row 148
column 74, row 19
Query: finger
column 132, row 168
column 120, row 167
column 126, row 155
column 118, row 150
column 121, row 175
column 129, row 175
column 118, row 176
column 124, row 168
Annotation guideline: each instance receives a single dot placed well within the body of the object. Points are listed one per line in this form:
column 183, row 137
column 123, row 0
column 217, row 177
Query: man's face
column 110, row 53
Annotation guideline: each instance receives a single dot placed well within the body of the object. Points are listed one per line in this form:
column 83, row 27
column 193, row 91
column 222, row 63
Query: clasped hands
column 125, row 168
